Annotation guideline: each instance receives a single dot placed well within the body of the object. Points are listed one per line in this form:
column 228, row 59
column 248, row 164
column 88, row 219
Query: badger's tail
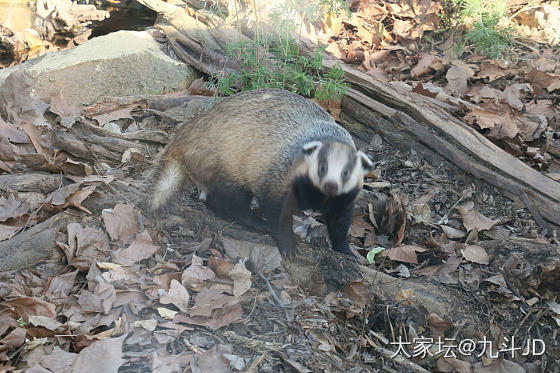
column 167, row 181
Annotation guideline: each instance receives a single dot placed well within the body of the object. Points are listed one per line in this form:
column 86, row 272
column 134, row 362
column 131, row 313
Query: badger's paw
column 287, row 245
column 345, row 249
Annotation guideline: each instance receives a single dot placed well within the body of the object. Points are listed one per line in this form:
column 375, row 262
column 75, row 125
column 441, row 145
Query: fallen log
column 33, row 245
column 103, row 145
column 31, row 182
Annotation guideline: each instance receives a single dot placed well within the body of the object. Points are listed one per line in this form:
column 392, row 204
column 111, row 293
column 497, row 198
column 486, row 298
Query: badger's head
column 335, row 168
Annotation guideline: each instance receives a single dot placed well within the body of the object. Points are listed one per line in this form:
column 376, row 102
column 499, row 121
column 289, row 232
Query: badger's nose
column 330, row 188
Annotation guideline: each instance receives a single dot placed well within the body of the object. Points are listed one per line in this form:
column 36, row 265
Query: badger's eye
column 323, row 168
column 345, row 174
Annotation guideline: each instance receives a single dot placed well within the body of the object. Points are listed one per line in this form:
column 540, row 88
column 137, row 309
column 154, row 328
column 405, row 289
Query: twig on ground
column 280, row 303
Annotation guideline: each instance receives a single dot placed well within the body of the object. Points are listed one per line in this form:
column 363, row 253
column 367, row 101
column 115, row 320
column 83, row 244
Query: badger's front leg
column 338, row 213
column 279, row 214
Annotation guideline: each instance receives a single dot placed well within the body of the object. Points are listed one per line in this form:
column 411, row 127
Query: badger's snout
column 330, row 188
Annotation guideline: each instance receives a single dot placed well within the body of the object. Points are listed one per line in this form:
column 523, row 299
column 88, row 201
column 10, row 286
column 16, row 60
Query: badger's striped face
column 335, row 168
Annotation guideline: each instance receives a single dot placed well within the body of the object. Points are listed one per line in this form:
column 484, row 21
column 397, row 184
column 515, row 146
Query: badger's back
column 249, row 140
column 250, row 134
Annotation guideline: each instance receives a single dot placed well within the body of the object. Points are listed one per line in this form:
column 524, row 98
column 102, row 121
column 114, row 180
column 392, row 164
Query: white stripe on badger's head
column 335, row 168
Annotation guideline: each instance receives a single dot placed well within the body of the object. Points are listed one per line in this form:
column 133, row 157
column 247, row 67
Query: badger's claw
column 287, row 245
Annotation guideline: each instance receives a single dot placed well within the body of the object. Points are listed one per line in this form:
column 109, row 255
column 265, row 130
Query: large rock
column 123, row 63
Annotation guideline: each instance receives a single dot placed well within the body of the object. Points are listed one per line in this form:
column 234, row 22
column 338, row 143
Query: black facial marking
column 309, row 150
column 366, row 165
column 347, row 171
column 323, row 162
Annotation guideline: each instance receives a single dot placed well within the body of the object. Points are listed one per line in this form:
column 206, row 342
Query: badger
column 272, row 145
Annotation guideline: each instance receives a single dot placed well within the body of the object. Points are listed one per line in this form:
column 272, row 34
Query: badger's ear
column 311, row 147
column 367, row 164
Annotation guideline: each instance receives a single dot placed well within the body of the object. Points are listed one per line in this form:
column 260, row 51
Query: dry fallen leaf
column 60, row 106
column 456, row 81
column 476, row 254
column 61, row 285
column 452, row 233
column 101, row 356
column 540, row 81
column 45, row 322
column 195, row 275
column 500, row 123
column 485, row 93
column 264, row 257
column 57, row 361
column 166, row 313
column 27, row 306
column 445, row 272
column 207, row 300
column 438, row 326
column 220, row 266
column 15, row 338
column 404, row 253
column 491, row 71
column 121, row 223
column 41, row 143
column 13, row 133
column 421, row 208
column 230, row 313
column 512, row 94
column 164, row 362
column 177, row 295
column 140, row 248
column 199, row 87
column 426, row 64
column 11, row 208
column 473, row 219
column 419, row 88
column 241, row 278
column 359, row 294
column 69, row 196
column 220, row 317
column 85, row 245
column 149, row 325
column 70, row 167
column 99, row 301
column 7, row 231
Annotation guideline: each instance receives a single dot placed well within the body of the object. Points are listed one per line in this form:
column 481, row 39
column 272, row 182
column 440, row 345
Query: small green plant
column 489, row 40
column 373, row 252
column 274, row 61
column 482, row 17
